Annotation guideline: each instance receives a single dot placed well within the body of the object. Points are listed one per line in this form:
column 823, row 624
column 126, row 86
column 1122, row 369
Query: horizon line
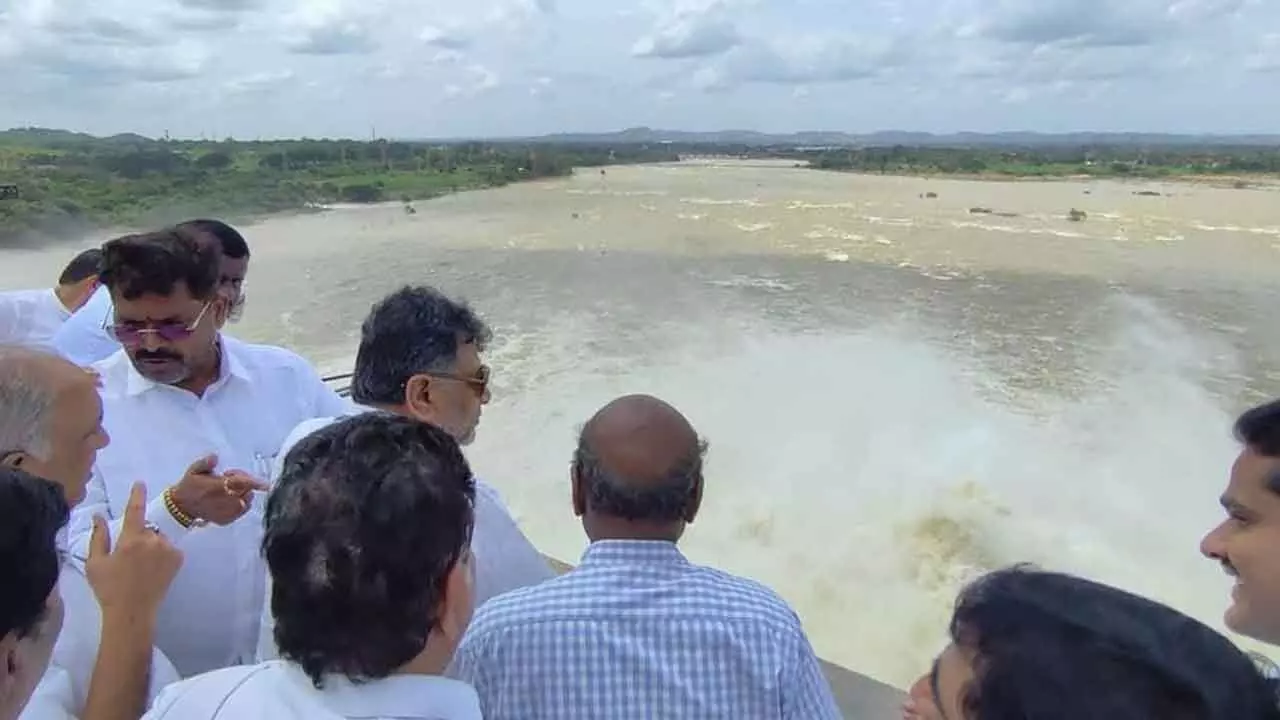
column 674, row 131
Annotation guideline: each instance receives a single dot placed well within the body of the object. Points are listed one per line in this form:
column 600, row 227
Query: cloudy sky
column 432, row 68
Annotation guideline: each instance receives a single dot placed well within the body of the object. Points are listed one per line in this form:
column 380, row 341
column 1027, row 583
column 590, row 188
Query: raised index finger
column 135, row 512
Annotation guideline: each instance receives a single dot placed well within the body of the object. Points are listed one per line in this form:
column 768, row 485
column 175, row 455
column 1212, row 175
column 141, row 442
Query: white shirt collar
column 231, row 366
column 64, row 311
column 422, row 697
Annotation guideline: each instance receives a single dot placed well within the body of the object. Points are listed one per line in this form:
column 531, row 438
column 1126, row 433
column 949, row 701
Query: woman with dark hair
column 1033, row 645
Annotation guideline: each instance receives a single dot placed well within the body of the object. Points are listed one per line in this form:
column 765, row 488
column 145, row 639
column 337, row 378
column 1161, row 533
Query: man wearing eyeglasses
column 181, row 400
column 83, row 338
column 419, row 357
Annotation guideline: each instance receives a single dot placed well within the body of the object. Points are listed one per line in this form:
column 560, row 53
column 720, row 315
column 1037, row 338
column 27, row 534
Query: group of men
column 230, row 536
column 192, row 526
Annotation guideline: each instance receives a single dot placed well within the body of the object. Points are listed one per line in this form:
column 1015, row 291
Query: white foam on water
column 865, row 476
column 763, row 283
column 749, row 202
column 1275, row 231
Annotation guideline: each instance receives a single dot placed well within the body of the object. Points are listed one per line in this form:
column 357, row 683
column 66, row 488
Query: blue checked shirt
column 637, row 631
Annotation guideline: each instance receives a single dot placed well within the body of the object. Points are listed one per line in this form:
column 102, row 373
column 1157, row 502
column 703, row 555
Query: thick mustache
column 156, row 356
column 1229, row 569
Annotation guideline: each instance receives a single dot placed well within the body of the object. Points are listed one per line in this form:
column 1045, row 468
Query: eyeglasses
column 168, row 331
column 478, row 382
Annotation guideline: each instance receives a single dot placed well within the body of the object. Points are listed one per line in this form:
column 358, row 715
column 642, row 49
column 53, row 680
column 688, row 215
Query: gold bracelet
column 185, row 520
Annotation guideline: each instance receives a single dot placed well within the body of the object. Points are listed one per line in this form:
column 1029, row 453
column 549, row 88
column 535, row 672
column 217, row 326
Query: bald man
column 104, row 666
column 636, row 630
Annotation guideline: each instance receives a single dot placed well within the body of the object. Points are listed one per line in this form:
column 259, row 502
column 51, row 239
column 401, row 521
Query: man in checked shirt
column 636, row 630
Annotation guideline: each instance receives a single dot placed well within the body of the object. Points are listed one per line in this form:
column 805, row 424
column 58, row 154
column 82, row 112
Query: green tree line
column 1117, row 162
column 57, row 183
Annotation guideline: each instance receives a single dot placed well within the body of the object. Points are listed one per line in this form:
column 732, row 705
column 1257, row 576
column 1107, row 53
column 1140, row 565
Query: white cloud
column 452, row 39
column 442, row 67
column 223, row 5
column 1266, row 57
column 689, row 32
column 476, row 79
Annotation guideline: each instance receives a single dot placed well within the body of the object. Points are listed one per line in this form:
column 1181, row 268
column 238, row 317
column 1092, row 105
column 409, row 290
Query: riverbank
column 58, row 185
column 1234, row 167
column 1223, row 182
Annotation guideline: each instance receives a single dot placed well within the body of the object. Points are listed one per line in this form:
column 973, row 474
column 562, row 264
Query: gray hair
column 26, row 401
column 666, row 500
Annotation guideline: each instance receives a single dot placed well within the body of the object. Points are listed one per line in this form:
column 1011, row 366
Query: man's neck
column 601, row 528
column 69, row 296
column 433, row 660
column 400, row 410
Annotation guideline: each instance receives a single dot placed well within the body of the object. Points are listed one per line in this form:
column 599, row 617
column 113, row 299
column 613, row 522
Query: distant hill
column 821, row 138
column 809, row 138
column 58, row 139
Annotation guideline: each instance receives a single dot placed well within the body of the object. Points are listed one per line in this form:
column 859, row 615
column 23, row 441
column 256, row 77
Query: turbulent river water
column 898, row 392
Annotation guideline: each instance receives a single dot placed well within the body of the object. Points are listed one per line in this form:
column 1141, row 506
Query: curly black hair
column 154, row 263
column 369, row 517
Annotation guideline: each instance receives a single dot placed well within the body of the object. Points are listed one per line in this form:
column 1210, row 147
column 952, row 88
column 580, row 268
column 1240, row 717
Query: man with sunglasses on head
column 181, row 400
column 419, row 358
column 83, row 338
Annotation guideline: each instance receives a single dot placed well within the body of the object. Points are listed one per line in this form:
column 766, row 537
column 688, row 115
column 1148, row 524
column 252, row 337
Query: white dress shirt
column 83, row 338
column 31, row 317
column 505, row 559
column 209, row 618
column 64, row 689
column 279, row 690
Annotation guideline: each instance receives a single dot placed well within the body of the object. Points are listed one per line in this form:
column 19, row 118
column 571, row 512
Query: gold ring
column 226, row 486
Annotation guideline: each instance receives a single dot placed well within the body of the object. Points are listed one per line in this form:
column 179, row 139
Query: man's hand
column 136, row 576
column 208, row 496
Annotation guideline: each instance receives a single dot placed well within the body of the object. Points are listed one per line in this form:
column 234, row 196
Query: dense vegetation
column 1103, row 161
column 67, row 182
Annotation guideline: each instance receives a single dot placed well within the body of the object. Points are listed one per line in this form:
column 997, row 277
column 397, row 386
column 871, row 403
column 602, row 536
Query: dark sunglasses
column 167, row 331
column 478, row 382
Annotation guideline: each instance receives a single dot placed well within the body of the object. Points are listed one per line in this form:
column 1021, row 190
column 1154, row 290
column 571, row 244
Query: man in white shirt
column 419, row 357
column 33, row 317
column 182, row 401
column 32, row 513
column 83, row 338
column 367, row 537
column 104, row 666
